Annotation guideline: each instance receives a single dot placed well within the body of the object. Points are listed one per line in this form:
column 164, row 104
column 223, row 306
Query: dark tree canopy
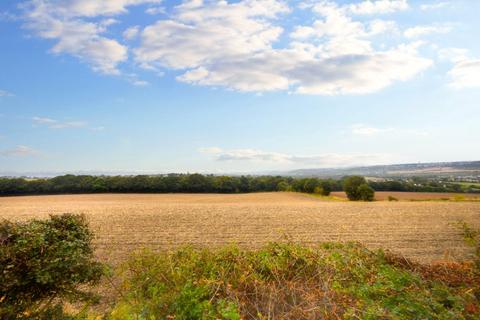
column 171, row 183
column 356, row 188
column 198, row 183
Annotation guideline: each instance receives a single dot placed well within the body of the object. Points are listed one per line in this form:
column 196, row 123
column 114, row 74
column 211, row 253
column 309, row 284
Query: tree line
column 171, row 183
column 198, row 183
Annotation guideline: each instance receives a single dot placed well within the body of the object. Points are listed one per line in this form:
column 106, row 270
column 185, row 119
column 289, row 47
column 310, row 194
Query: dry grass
column 419, row 230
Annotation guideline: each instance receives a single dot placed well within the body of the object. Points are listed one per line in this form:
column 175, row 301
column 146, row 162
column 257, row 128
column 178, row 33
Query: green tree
column 42, row 261
column 365, row 192
column 357, row 188
column 283, row 186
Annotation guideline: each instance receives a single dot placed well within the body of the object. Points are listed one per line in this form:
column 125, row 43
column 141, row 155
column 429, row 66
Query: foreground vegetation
column 279, row 281
column 288, row 281
column 44, row 262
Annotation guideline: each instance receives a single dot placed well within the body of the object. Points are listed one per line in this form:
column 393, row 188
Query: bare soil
column 423, row 231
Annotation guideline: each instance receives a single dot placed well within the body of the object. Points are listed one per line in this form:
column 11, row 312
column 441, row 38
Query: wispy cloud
column 4, row 93
column 434, row 6
column 369, row 131
column 156, row 10
column 378, row 6
column 131, row 33
column 364, row 130
column 420, row 31
column 322, row 160
column 56, row 124
column 19, row 151
column 465, row 74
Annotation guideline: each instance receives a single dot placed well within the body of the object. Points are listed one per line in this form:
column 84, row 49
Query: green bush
column 390, row 198
column 44, row 262
column 357, row 188
column 365, row 192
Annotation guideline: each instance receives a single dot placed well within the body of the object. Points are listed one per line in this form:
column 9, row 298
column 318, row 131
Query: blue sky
column 237, row 86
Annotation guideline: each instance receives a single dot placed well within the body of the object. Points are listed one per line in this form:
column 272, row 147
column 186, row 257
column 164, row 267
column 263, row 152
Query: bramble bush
column 43, row 262
column 290, row 281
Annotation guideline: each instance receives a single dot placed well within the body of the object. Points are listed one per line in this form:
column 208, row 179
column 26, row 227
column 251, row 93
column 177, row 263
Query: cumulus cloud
column 200, row 33
column 56, row 124
column 241, row 45
column 232, row 45
column 323, row 160
column 65, row 21
column 19, row 151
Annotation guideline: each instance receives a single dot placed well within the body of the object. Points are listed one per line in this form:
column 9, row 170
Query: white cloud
column 232, row 45
column 156, row 10
column 361, row 74
column 434, row 6
column 65, row 21
column 378, row 6
column 87, row 8
column 56, row 124
column 419, row 31
column 453, row 54
column 19, row 151
column 131, row 32
column 202, row 34
column 239, row 44
column 465, row 74
column 323, row 160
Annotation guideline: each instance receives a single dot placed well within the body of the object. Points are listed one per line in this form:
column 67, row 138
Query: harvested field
column 125, row 222
column 418, row 196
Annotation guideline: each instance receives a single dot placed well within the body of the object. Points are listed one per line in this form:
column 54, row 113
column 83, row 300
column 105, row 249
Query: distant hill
column 434, row 169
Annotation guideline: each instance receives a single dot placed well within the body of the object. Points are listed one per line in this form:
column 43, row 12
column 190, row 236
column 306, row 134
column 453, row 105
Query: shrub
column 356, row 188
column 42, row 262
column 319, row 190
column 390, row 198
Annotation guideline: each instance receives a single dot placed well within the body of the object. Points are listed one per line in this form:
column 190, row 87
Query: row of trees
column 172, row 183
column 197, row 183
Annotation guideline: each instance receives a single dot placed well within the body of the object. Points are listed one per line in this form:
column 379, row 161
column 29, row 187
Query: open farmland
column 125, row 222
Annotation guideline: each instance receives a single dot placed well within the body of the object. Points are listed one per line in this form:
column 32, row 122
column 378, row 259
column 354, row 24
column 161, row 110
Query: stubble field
column 123, row 223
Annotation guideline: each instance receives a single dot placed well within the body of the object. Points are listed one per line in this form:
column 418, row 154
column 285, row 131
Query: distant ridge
column 432, row 169
column 438, row 169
